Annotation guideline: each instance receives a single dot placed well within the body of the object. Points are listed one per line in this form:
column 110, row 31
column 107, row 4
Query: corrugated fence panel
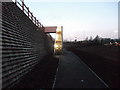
column 23, row 44
column 0, row 45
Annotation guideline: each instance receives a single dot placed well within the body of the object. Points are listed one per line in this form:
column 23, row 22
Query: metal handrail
column 26, row 10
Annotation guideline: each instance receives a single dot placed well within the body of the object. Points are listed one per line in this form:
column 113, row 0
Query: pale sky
column 79, row 19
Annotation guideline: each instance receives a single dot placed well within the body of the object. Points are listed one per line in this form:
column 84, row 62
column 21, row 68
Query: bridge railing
column 26, row 10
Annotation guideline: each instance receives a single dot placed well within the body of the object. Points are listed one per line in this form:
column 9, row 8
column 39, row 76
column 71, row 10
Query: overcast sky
column 79, row 19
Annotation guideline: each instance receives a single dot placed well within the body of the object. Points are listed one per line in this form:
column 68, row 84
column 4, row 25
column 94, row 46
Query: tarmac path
column 73, row 73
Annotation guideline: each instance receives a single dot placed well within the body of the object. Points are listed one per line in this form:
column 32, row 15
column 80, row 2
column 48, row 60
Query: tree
column 97, row 40
column 86, row 39
column 97, row 37
column 90, row 38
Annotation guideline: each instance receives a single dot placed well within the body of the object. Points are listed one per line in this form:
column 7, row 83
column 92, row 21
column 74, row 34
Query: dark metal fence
column 25, row 9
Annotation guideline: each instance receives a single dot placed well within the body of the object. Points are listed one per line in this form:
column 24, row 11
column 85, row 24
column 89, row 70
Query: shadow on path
column 42, row 75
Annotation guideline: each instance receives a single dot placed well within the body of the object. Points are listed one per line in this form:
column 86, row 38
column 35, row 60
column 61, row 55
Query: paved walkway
column 73, row 73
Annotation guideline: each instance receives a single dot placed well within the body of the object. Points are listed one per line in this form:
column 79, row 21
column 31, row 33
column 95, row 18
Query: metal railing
column 25, row 9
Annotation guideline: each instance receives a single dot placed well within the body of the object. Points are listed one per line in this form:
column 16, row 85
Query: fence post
column 16, row 2
column 35, row 20
column 31, row 16
column 23, row 5
column 37, row 23
column 28, row 11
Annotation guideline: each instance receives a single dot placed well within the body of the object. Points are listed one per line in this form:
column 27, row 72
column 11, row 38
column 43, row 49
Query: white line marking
column 56, row 75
